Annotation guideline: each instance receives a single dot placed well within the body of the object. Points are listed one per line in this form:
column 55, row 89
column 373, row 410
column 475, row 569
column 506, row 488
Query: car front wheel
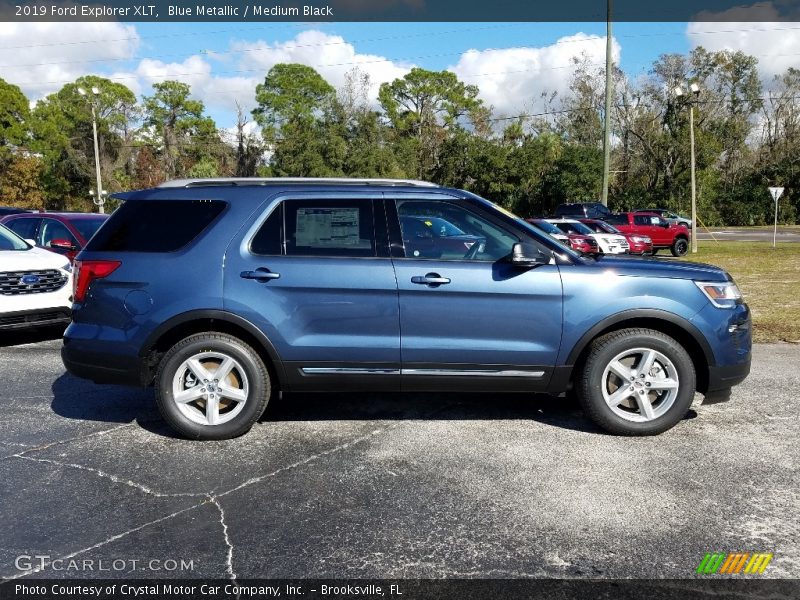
column 636, row 382
column 680, row 247
column 212, row 386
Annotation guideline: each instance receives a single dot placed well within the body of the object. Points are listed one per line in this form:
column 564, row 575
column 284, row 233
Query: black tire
column 254, row 370
column 680, row 246
column 602, row 351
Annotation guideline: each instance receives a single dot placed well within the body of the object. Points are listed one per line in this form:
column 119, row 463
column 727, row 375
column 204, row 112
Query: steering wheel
column 472, row 253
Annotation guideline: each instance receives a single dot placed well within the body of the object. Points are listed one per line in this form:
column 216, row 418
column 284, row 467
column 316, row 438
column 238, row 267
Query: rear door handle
column 260, row 274
column 432, row 279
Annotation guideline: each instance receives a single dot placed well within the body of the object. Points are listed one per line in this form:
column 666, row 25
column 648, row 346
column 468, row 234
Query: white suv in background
column 35, row 284
column 607, row 243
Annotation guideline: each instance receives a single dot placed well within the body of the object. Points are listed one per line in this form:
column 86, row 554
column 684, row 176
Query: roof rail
column 185, row 183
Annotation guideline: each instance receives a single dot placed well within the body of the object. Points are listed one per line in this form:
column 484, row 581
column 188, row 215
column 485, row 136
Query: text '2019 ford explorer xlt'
column 220, row 292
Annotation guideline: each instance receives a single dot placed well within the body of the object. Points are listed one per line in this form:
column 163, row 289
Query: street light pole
column 100, row 196
column 101, row 200
column 695, row 90
column 694, row 193
column 607, row 116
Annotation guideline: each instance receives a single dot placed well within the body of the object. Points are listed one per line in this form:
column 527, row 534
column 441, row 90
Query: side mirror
column 528, row 255
column 62, row 245
column 665, row 224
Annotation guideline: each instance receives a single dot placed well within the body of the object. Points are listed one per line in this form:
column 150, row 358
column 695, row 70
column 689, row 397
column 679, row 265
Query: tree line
column 430, row 125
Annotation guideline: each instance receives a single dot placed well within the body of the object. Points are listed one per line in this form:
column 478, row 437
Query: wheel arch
column 181, row 326
column 671, row 324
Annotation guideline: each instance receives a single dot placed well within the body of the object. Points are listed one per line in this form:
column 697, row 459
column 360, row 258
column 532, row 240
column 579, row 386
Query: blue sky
column 512, row 63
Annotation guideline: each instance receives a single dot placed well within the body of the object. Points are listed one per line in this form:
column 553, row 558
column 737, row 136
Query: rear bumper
column 100, row 367
column 42, row 317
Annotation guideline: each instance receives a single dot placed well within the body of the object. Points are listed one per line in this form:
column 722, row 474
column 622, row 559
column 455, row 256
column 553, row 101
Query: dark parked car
column 219, row 293
column 434, row 237
column 65, row 233
column 9, row 210
column 583, row 210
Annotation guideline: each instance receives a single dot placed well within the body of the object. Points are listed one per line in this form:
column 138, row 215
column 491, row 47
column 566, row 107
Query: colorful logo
column 734, row 563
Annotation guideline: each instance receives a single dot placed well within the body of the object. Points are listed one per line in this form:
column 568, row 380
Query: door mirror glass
column 62, row 244
column 528, row 255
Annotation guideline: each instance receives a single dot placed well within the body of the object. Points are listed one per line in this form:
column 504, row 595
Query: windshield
column 547, row 227
column 602, row 227
column 88, row 227
column 11, row 241
column 578, row 228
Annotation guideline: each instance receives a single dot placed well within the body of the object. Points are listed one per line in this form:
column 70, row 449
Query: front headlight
column 67, row 267
column 722, row 294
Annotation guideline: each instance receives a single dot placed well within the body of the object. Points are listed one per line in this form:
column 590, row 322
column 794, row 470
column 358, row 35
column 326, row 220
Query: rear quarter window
column 155, row 225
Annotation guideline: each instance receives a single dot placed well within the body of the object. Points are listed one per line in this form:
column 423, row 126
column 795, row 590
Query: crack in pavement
column 111, row 476
column 229, row 557
column 67, row 440
column 113, row 538
column 209, row 498
column 300, row 463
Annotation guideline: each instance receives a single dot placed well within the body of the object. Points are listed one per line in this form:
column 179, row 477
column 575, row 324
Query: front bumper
column 725, row 377
column 40, row 317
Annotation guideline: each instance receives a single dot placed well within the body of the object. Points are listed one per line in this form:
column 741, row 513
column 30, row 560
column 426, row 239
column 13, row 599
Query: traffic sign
column 776, row 193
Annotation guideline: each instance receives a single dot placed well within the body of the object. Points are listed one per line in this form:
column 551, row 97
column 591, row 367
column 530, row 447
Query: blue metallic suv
column 221, row 292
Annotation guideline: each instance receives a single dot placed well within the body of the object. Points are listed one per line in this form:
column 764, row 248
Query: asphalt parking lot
column 392, row 486
column 748, row 234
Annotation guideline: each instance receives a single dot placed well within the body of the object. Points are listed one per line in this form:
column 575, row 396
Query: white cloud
column 41, row 57
column 512, row 80
column 775, row 44
column 330, row 55
column 246, row 64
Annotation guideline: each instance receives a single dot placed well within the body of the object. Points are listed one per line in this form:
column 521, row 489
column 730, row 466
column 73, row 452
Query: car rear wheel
column 212, row 386
column 636, row 382
column 680, row 247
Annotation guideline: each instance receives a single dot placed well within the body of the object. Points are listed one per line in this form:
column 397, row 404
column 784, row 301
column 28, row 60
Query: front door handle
column 432, row 279
column 260, row 274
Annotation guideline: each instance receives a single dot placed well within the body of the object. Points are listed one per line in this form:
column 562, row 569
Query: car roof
column 243, row 181
column 61, row 215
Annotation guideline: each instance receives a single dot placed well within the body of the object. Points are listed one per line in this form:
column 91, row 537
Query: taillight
column 86, row 271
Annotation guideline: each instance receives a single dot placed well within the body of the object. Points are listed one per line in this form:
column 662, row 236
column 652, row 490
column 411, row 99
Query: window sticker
column 329, row 228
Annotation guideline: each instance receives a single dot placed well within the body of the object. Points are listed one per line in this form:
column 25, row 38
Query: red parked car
column 65, row 233
column 663, row 233
column 639, row 244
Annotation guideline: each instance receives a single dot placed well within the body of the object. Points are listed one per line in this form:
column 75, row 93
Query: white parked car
column 608, row 243
column 35, row 284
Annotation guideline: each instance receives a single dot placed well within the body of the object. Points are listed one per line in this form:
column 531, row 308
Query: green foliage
column 291, row 93
column 425, row 108
column 178, row 123
column 14, row 115
column 61, row 129
column 430, row 125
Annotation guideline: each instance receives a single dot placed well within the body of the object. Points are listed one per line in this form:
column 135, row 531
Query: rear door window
column 24, row 228
column 155, row 225
column 342, row 228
